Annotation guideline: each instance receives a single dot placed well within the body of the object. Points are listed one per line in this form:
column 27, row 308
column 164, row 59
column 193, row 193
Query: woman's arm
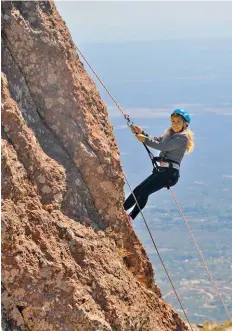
column 175, row 142
column 138, row 130
column 153, row 137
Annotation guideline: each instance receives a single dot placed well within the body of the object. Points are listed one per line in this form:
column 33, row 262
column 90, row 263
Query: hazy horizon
column 188, row 65
column 113, row 21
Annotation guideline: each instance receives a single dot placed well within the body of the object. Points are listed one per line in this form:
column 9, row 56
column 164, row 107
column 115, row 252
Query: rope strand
column 181, row 212
column 201, row 254
column 158, row 253
column 110, row 95
column 148, row 229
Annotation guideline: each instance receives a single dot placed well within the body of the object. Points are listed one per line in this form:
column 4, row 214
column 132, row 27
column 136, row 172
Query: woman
column 176, row 141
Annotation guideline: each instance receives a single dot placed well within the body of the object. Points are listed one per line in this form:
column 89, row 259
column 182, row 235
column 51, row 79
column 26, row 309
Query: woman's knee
column 143, row 196
column 173, row 180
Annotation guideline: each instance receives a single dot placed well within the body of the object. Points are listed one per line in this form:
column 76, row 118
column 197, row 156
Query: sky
column 127, row 21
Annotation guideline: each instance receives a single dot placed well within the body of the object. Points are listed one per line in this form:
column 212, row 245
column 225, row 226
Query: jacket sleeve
column 166, row 145
column 147, row 135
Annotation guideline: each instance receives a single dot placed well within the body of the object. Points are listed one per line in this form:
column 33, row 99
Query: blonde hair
column 190, row 144
column 190, row 135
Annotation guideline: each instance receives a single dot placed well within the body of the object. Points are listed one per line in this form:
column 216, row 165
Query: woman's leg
column 130, row 201
column 156, row 182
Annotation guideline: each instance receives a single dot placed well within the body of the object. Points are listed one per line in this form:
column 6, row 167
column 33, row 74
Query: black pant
column 155, row 182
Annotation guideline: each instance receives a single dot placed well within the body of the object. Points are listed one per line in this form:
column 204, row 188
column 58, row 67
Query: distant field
column 148, row 80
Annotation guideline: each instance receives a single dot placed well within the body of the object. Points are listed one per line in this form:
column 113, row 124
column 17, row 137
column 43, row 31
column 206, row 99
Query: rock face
column 70, row 260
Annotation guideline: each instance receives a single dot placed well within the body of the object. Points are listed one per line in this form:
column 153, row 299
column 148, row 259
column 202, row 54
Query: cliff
column 70, row 259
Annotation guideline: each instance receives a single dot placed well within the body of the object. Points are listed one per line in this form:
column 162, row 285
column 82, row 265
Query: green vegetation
column 216, row 327
column 185, row 265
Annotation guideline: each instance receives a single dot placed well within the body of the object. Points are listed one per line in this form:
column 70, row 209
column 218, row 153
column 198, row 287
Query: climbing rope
column 188, row 227
column 148, row 229
column 201, row 254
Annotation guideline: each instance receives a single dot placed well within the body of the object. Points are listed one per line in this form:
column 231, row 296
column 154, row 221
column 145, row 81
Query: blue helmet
column 184, row 113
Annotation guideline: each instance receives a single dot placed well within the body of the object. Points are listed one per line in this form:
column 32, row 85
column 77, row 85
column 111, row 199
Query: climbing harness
column 129, row 123
column 164, row 162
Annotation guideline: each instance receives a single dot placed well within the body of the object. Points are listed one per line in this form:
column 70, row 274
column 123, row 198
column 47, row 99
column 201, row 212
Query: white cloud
column 227, row 176
column 194, row 109
column 121, row 127
column 150, row 112
column 199, row 183
column 193, row 78
column 219, row 111
column 141, row 112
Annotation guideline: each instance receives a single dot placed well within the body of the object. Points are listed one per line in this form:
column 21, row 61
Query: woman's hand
column 136, row 129
column 140, row 137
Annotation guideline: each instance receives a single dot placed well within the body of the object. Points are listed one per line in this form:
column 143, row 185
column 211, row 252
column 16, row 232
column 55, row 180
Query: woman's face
column 177, row 123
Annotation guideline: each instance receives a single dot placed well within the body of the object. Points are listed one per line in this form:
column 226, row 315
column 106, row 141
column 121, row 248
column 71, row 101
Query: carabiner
column 129, row 122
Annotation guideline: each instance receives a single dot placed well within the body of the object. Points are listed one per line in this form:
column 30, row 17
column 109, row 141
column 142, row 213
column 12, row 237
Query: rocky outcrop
column 70, row 260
